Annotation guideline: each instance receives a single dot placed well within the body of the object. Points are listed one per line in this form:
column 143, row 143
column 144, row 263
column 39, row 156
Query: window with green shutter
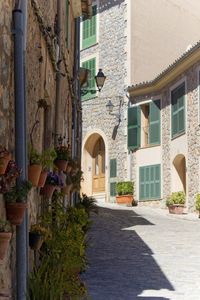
column 154, row 123
column 150, row 182
column 68, row 24
column 90, row 65
column 113, row 189
column 113, row 168
column 134, row 127
column 89, row 30
column 178, row 110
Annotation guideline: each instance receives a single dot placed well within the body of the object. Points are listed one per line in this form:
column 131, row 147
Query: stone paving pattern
column 143, row 253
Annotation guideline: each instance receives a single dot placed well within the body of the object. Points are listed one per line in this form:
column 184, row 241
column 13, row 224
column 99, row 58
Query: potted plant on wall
column 16, row 202
column 125, row 191
column 47, row 161
column 5, row 157
column 35, row 166
column 175, row 202
column 62, row 156
column 5, row 236
column 38, row 233
column 9, row 177
column 53, row 182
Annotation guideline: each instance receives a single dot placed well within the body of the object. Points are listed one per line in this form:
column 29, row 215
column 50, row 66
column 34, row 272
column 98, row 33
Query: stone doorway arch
column 94, row 165
column 179, row 173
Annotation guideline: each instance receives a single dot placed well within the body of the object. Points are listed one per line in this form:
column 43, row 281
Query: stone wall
column 112, row 58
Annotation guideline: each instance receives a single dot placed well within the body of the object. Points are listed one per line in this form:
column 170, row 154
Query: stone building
column 164, row 132
column 47, row 53
column 132, row 42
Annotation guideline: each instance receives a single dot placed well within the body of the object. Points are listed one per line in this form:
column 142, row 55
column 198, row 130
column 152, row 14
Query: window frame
column 172, row 89
column 149, row 167
column 92, row 43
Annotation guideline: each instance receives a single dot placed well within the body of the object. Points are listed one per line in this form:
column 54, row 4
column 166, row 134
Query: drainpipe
column 20, row 147
column 58, row 76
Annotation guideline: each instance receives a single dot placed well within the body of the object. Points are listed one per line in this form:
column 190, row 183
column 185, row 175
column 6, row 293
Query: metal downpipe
column 20, row 147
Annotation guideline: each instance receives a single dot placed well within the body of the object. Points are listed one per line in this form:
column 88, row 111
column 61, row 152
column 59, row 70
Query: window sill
column 178, row 135
column 146, row 200
column 88, row 47
column 149, row 146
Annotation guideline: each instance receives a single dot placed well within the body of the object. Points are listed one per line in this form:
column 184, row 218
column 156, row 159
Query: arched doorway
column 94, row 165
column 179, row 178
column 98, row 170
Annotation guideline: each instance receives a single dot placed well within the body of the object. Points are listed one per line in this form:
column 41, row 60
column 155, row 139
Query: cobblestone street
column 143, row 253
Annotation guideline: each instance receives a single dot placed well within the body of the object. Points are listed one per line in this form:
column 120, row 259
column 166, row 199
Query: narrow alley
column 143, row 253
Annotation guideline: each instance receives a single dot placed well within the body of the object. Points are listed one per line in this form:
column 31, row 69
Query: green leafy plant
column 176, row 198
column 4, row 226
column 88, row 203
column 62, row 152
column 40, row 229
column 197, row 202
column 125, row 188
column 47, row 159
column 76, row 179
column 62, row 254
column 34, row 156
column 18, row 192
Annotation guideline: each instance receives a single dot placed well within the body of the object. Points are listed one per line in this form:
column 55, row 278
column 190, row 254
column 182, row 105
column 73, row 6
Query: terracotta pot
column 67, row 188
column 124, row 199
column 34, row 172
column 68, row 169
column 4, row 163
column 35, row 240
column 61, row 164
column 42, row 179
column 48, row 190
column 4, row 242
column 15, row 212
column 176, row 209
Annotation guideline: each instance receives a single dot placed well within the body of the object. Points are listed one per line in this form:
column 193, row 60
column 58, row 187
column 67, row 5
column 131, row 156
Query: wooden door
column 99, row 167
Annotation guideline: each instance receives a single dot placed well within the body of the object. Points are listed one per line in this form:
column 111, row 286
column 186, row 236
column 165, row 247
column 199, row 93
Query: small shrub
column 125, row 188
column 176, row 198
column 197, row 202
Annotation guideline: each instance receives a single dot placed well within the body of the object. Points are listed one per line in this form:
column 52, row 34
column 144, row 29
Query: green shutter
column 150, row 182
column 178, row 110
column 154, row 122
column 89, row 30
column 91, row 65
column 68, row 24
column 113, row 168
column 113, row 189
column 134, row 131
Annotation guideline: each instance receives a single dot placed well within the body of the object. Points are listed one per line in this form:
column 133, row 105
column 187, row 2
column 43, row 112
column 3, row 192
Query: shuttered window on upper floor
column 178, row 110
column 134, row 127
column 90, row 89
column 90, row 30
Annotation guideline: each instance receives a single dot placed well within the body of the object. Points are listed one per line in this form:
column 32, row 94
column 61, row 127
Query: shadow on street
column 120, row 264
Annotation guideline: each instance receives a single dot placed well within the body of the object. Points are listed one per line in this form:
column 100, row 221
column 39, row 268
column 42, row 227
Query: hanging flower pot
column 48, row 190
column 15, row 212
column 35, row 240
column 4, row 163
column 61, row 164
column 4, row 242
column 42, row 179
column 34, row 172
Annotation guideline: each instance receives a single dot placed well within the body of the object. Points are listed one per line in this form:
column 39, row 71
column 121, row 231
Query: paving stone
column 143, row 253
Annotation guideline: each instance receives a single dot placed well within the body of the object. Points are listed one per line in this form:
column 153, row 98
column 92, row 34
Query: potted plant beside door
column 175, row 202
column 125, row 191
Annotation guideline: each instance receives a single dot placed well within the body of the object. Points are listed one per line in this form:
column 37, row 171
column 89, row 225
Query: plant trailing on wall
column 5, row 236
column 16, row 201
column 62, row 254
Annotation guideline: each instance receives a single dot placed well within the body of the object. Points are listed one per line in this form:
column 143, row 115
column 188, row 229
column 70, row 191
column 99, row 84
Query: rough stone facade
column 191, row 143
column 41, row 72
column 111, row 28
